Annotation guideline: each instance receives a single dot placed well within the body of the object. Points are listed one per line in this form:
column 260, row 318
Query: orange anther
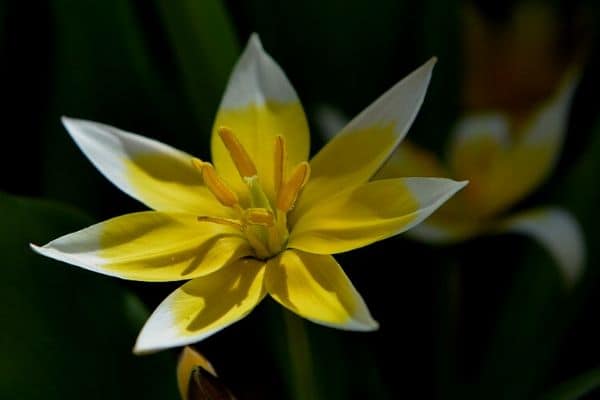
column 289, row 192
column 238, row 154
column 216, row 185
column 280, row 158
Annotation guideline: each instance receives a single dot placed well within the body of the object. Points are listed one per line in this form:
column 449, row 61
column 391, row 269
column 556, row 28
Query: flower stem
column 301, row 371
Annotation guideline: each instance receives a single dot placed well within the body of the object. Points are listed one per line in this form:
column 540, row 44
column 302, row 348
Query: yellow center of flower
column 263, row 221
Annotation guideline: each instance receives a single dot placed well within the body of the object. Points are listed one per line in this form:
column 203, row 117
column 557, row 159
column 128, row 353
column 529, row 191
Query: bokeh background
column 486, row 319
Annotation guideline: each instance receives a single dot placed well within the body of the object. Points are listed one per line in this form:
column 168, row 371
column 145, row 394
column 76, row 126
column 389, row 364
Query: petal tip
column 140, row 350
column 254, row 49
column 67, row 122
column 72, row 125
column 36, row 248
column 455, row 187
column 427, row 68
column 144, row 344
column 364, row 325
column 42, row 250
column 372, row 326
column 255, row 41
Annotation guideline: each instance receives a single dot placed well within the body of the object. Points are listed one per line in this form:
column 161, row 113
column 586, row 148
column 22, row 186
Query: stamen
column 216, row 185
column 280, row 157
column 222, row 221
column 289, row 192
column 260, row 216
column 238, row 154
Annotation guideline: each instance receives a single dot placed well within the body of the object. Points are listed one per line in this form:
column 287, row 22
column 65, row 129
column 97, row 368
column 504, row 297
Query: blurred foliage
column 67, row 333
column 486, row 319
column 576, row 387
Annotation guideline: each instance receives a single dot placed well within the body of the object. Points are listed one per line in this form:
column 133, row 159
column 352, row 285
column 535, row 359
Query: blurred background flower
column 456, row 322
column 504, row 157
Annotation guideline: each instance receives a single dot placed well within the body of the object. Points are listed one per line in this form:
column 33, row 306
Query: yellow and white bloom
column 260, row 219
column 505, row 159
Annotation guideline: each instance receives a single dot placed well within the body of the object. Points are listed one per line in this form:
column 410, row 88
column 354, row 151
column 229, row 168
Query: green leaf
column 157, row 69
column 101, row 70
column 67, row 333
column 539, row 309
column 576, row 387
column 205, row 48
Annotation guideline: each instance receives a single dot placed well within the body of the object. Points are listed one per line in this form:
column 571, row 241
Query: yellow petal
column 188, row 360
column 355, row 154
column 371, row 212
column 152, row 172
column 477, row 143
column 410, row 160
column 315, row 287
column 150, row 246
column 259, row 104
column 558, row 232
column 204, row 306
column 505, row 160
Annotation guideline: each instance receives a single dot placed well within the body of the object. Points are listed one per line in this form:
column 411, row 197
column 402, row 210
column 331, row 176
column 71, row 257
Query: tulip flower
column 260, row 219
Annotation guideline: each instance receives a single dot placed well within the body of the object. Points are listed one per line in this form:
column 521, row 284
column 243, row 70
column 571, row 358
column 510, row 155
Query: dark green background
column 487, row 319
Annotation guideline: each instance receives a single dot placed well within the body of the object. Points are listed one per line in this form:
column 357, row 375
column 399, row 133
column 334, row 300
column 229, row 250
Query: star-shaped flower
column 261, row 219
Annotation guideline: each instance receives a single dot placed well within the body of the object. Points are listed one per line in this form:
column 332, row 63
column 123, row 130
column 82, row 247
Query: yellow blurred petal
column 453, row 222
column 558, row 232
column 150, row 246
column 505, row 161
column 477, row 142
column 371, row 212
column 259, row 104
column 315, row 287
column 204, row 306
column 158, row 175
column 188, row 360
column 410, row 160
column 356, row 153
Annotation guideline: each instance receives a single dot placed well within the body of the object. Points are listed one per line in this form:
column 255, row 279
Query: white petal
column 353, row 156
column 257, row 79
column 369, row 213
column 398, row 106
column 316, row 287
column 558, row 232
column 259, row 104
column 550, row 123
column 149, row 246
column 154, row 173
column 474, row 128
column 204, row 306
